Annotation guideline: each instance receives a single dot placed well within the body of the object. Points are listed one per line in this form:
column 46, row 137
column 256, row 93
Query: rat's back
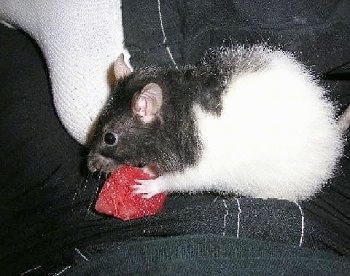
column 276, row 136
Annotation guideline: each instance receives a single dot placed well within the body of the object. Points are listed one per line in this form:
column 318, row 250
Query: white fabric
column 80, row 40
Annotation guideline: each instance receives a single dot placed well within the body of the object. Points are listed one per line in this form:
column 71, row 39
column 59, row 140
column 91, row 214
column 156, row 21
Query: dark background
column 46, row 193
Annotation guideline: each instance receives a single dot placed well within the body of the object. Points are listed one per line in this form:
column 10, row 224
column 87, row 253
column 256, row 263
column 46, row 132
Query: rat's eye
column 111, row 138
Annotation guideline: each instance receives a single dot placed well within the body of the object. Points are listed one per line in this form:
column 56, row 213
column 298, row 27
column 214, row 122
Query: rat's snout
column 98, row 162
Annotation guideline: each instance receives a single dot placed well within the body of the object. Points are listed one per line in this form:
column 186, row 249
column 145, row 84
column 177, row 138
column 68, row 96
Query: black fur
column 171, row 142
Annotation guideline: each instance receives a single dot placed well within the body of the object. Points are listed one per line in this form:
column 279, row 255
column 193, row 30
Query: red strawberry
column 116, row 197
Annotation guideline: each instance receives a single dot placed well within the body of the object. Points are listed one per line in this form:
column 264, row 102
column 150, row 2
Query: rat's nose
column 111, row 138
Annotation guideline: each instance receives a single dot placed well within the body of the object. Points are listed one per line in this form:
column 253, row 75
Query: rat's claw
column 146, row 188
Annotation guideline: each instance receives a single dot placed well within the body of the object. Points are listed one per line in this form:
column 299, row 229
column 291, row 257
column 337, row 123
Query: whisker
column 92, row 199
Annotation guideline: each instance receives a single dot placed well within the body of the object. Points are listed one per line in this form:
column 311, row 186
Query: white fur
column 276, row 137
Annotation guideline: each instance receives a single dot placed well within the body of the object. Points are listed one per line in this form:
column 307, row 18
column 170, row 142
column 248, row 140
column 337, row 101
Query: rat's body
column 247, row 120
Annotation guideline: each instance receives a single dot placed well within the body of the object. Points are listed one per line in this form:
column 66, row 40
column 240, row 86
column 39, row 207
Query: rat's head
column 131, row 129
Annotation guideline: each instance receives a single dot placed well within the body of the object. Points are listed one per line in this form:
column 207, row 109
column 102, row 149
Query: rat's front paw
column 148, row 188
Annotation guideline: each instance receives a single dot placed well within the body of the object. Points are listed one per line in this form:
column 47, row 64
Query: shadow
column 338, row 73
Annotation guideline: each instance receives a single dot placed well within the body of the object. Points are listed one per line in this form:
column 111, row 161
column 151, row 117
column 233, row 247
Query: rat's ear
column 121, row 69
column 147, row 103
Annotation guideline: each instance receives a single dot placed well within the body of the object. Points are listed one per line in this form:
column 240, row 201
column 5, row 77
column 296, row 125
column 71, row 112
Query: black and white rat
column 249, row 120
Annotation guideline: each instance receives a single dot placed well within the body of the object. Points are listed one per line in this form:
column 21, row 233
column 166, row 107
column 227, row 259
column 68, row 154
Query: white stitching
column 238, row 217
column 225, row 217
column 31, row 270
column 81, row 254
column 164, row 36
column 63, row 270
column 302, row 224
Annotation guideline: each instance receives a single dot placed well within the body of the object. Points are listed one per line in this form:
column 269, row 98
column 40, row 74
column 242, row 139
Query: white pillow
column 79, row 40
